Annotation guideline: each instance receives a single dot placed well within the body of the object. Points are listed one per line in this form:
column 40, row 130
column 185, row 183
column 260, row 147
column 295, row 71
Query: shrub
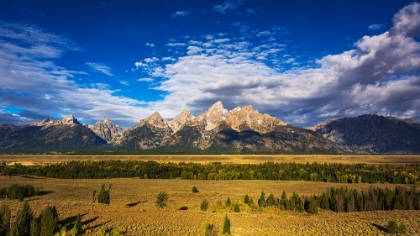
column 49, row 219
column 209, row 228
column 4, row 219
column 204, row 205
column 23, row 219
column 261, row 201
column 194, row 190
column 162, row 199
column 77, row 228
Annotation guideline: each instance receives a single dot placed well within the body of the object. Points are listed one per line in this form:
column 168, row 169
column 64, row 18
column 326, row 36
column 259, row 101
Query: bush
column 4, row 219
column 246, row 199
column 194, row 190
column 77, row 228
column 204, row 205
column 49, row 219
column 162, row 199
column 209, row 228
column 228, row 202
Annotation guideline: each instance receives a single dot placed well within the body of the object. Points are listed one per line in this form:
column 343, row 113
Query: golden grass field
column 133, row 209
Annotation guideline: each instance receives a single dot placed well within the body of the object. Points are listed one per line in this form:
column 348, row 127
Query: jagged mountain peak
column 70, row 119
column 248, row 118
column 155, row 120
column 107, row 130
column 213, row 116
column 184, row 117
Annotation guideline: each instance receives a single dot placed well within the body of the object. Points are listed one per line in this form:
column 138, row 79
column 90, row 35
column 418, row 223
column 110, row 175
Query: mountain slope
column 373, row 134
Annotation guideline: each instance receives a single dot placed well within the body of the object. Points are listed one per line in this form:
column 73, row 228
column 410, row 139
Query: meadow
column 133, row 209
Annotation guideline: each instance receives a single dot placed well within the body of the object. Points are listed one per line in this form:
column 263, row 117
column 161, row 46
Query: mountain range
column 218, row 130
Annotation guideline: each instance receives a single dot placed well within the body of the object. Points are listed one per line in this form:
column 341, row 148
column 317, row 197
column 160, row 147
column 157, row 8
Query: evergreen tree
column 246, row 199
column 23, row 219
column 313, row 206
column 49, row 219
column 251, row 202
column 226, row 226
column 270, row 200
column 283, row 201
column 5, row 214
column 15, row 231
column 228, row 202
column 104, row 195
column 261, row 201
column 35, row 229
column 77, row 228
column 162, row 199
column 236, row 208
column 392, row 227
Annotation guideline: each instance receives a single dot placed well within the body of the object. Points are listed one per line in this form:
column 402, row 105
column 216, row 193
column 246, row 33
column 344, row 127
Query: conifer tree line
column 346, row 200
column 341, row 173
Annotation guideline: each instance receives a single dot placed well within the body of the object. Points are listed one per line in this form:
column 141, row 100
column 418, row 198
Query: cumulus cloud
column 380, row 76
column 145, row 79
column 40, row 88
column 150, row 45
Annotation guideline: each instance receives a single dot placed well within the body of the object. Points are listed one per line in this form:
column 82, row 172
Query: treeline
column 345, row 200
column 342, row 173
column 19, row 192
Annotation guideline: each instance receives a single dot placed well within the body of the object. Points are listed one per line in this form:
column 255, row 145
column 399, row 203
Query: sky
column 302, row 61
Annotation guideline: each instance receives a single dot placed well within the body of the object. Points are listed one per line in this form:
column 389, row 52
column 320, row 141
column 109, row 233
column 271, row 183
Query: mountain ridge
column 218, row 130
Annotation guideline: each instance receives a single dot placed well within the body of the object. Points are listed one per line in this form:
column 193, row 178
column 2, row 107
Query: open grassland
column 133, row 209
column 236, row 159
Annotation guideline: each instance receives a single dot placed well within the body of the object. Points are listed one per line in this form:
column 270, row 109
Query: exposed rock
column 213, row 116
column 184, row 118
column 107, row 130
column 247, row 118
column 70, row 119
column 155, row 120
column 373, row 134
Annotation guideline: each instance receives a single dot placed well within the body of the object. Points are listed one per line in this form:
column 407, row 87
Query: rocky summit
column 217, row 130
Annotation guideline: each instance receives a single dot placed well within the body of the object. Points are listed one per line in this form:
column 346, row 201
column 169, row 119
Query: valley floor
column 133, row 209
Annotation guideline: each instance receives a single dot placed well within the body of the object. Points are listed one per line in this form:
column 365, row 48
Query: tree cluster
column 342, row 173
column 19, row 192
column 347, row 200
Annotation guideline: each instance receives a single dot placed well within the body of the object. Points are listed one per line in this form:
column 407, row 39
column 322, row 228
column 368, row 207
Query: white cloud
column 176, row 44
column 100, row 68
column 375, row 26
column 228, row 5
column 150, row 45
column 180, row 13
column 145, row 79
column 139, row 64
column 151, row 60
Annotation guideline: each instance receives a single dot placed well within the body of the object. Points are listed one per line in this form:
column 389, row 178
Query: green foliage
column 94, row 196
column 261, row 201
column 251, row 202
column 226, row 226
column 209, row 228
column 204, row 205
column 270, row 200
column 35, row 228
column 194, row 190
column 162, row 199
column 15, row 231
column 77, row 228
column 4, row 219
column 19, row 192
column 228, row 202
column 236, row 208
column 23, row 219
column 104, row 195
column 342, row 173
column 392, row 227
column 246, row 199
column 402, row 229
column 49, row 219
column 313, row 206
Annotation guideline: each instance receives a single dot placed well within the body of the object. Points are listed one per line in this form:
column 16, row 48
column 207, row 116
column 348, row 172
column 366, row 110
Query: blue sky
column 301, row 61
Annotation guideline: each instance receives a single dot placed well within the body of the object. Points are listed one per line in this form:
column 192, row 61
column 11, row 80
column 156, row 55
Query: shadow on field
column 132, row 204
column 90, row 220
column 97, row 226
column 42, row 193
column 380, row 227
column 69, row 221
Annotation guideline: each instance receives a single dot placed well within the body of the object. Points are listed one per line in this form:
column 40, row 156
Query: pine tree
column 194, row 190
column 204, row 205
column 270, row 200
column 49, row 219
column 246, row 199
column 261, row 201
column 24, row 218
column 228, row 202
column 35, row 228
column 77, row 228
column 236, row 208
column 226, row 226
column 104, row 195
column 5, row 214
